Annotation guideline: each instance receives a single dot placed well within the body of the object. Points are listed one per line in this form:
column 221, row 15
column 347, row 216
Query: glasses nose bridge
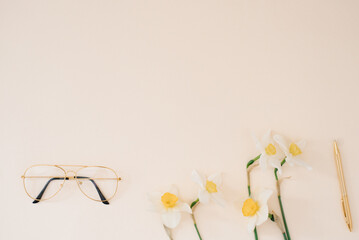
column 70, row 176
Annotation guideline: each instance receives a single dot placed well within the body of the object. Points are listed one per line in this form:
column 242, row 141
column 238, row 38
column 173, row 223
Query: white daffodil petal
column 262, row 215
column 301, row 144
column 218, row 198
column 252, row 223
column 155, row 199
column 264, row 196
column 197, row 178
column 289, row 160
column 173, row 189
column 299, row 162
column 171, row 218
column 216, row 179
column 203, row 196
column 263, row 161
column 184, row 207
column 276, row 164
column 257, row 143
column 282, row 143
column 267, row 137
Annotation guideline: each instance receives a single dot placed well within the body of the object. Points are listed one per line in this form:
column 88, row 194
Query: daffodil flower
column 169, row 206
column 269, row 152
column 256, row 209
column 292, row 151
column 210, row 188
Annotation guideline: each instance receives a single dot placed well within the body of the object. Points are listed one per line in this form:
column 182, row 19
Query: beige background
column 157, row 88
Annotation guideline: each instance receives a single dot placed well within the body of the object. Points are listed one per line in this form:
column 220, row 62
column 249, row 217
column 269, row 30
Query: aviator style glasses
column 42, row 182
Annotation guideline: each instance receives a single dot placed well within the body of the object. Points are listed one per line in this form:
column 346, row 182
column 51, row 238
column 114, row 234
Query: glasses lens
column 43, row 182
column 97, row 183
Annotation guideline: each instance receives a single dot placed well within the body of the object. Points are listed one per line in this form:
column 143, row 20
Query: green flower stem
column 285, row 236
column 283, row 217
column 255, row 234
column 272, row 218
column 248, row 175
column 280, row 201
column 195, row 225
column 193, row 204
column 249, row 187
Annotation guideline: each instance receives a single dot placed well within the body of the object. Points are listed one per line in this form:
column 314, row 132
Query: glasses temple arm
column 38, row 198
column 103, row 199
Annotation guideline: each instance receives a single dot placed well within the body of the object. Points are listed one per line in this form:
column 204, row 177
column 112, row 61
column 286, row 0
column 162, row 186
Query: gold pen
column 343, row 189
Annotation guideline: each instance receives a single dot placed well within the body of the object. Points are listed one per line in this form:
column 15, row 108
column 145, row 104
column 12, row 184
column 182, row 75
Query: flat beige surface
column 157, row 88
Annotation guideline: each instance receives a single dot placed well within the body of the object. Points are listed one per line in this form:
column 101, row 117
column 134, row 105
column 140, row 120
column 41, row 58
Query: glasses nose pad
column 70, row 176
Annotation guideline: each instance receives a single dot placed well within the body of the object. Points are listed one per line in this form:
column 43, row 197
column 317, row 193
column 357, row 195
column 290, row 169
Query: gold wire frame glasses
column 43, row 181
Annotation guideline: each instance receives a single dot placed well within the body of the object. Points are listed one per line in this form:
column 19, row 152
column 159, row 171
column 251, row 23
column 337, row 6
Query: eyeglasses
column 42, row 182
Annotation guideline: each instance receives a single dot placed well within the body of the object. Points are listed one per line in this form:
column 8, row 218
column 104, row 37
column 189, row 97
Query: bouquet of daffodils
column 170, row 207
column 271, row 150
column 255, row 207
